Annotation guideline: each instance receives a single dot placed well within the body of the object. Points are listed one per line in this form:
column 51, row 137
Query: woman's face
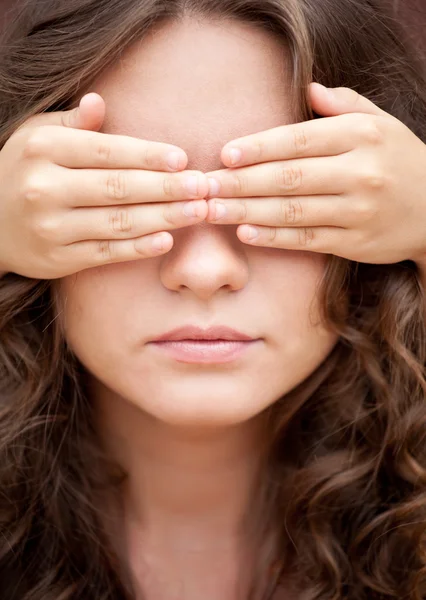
column 198, row 85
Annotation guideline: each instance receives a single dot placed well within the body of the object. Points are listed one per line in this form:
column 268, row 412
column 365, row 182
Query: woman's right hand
column 74, row 198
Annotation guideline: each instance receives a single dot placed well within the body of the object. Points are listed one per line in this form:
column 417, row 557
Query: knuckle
column 371, row 132
column 143, row 249
column 258, row 149
column 288, row 178
column 149, row 158
column 239, row 184
column 34, row 188
column 272, row 234
column 103, row 152
column 374, row 179
column 67, row 118
column 300, row 141
column 104, row 251
column 366, row 211
column 306, row 236
column 168, row 186
column 169, row 213
column 242, row 211
column 35, row 144
column 120, row 221
column 116, row 185
column 46, row 229
column 290, row 211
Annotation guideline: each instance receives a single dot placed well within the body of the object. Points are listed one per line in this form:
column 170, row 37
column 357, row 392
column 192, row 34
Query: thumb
column 329, row 102
column 89, row 114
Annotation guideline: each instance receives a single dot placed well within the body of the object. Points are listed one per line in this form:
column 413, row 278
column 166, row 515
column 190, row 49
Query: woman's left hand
column 352, row 184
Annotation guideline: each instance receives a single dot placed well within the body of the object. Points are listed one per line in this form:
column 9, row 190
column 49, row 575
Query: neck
column 187, row 486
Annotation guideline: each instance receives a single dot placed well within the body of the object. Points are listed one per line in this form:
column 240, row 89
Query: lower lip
column 204, row 351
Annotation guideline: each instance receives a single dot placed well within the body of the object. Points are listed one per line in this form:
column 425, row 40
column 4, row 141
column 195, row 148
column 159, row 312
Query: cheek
column 290, row 281
column 300, row 340
column 97, row 308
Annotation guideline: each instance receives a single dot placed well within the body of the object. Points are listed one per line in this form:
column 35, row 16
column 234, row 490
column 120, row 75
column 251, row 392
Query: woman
column 288, row 461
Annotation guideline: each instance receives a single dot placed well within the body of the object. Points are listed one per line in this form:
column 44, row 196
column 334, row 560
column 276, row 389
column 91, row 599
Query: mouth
column 193, row 332
column 203, row 351
column 193, row 344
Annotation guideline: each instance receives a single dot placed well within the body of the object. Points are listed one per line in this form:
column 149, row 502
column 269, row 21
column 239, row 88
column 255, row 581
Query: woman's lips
column 204, row 351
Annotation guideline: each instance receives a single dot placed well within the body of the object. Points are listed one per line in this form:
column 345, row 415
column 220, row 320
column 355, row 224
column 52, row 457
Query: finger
column 90, row 114
column 89, row 149
column 305, row 177
column 338, row 101
column 327, row 240
column 88, row 254
column 319, row 137
column 125, row 222
column 86, row 187
column 284, row 211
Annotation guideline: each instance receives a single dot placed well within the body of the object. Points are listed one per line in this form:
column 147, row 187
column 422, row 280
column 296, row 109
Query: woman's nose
column 204, row 260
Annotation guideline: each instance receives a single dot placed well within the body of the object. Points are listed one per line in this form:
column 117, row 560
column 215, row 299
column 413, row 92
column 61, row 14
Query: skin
column 191, row 435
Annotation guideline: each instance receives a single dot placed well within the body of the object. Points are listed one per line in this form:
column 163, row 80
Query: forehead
column 198, row 84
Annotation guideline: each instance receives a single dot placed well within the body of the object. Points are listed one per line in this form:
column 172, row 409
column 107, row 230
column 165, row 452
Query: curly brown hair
column 342, row 496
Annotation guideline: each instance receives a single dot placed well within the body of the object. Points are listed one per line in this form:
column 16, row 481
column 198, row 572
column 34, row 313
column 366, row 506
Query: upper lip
column 192, row 332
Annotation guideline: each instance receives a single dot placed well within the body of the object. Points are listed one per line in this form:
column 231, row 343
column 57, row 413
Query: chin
column 220, row 402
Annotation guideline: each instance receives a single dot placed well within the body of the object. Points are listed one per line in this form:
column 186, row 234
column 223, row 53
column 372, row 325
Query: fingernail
column 235, row 155
column 174, row 159
column 219, row 210
column 192, row 209
column 191, row 185
column 214, row 186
